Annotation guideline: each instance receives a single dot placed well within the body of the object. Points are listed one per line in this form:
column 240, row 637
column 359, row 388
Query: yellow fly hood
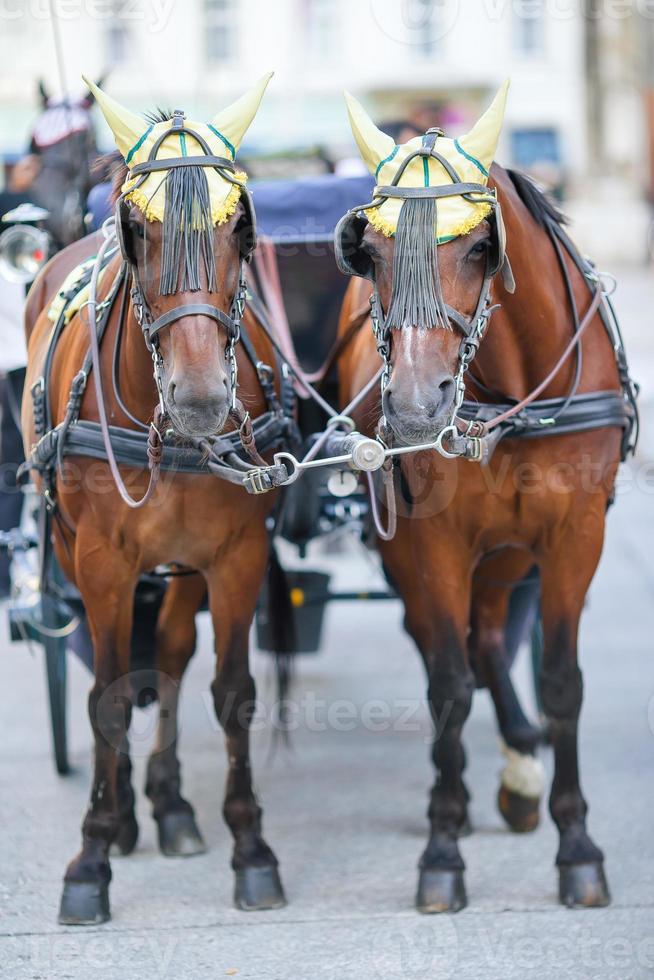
column 470, row 156
column 135, row 139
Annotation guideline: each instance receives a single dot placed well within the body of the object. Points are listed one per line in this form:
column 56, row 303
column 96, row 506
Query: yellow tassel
column 380, row 224
column 388, row 228
column 220, row 211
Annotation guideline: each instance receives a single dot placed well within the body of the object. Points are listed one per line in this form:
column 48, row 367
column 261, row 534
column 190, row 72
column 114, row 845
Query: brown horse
column 193, row 519
column 468, row 532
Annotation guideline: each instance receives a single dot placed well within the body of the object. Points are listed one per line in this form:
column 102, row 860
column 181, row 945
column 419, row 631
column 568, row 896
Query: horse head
column 185, row 225
column 431, row 240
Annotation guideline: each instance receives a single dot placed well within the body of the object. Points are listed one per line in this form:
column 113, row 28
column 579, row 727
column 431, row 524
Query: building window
column 421, row 21
column 529, row 27
column 220, row 29
column 322, row 18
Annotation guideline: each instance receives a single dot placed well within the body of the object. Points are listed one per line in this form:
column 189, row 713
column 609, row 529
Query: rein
column 155, row 438
column 487, row 427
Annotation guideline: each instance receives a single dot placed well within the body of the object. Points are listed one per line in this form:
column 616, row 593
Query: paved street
column 345, row 805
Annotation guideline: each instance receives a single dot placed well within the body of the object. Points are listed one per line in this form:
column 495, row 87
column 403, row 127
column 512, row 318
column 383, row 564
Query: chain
column 238, row 309
column 382, row 337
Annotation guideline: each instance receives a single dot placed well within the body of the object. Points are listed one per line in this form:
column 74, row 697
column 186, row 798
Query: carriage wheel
column 55, row 665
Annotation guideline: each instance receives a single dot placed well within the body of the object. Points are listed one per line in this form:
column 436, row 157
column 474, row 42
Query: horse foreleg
column 128, row 829
column 437, row 611
column 522, row 779
column 234, row 585
column 564, row 584
column 108, row 599
column 178, row 832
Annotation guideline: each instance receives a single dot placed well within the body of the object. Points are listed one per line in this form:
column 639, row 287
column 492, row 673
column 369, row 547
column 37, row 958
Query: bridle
column 150, row 325
column 473, row 329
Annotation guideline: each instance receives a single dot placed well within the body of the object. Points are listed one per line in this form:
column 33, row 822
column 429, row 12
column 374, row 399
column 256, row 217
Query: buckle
column 257, row 481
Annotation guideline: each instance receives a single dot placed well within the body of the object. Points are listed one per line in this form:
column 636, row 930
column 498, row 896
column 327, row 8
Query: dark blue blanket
column 287, row 210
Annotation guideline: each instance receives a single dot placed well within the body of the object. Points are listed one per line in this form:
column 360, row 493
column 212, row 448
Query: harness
column 474, row 430
column 234, row 456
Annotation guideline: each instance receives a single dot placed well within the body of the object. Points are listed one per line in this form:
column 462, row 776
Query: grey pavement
column 345, row 805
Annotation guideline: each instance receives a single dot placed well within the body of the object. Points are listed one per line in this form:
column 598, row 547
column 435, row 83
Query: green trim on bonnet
column 224, row 139
column 182, row 144
column 472, row 159
column 425, row 170
column 387, row 160
column 139, row 143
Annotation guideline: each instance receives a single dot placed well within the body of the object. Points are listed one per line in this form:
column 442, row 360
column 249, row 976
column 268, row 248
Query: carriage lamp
column 24, row 247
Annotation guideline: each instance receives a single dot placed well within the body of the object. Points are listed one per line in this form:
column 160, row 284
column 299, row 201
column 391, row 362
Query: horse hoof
column 522, row 813
column 257, row 889
column 84, row 903
column 179, row 835
column 440, row 891
column 126, row 838
column 583, row 885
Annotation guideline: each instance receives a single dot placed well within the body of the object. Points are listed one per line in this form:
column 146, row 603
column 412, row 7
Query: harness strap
column 486, row 427
column 191, row 309
column 460, row 188
column 149, row 166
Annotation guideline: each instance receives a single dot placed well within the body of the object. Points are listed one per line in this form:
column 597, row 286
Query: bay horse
column 168, row 297
column 433, row 243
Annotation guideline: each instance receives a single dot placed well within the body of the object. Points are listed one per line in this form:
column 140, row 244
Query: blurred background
column 580, row 115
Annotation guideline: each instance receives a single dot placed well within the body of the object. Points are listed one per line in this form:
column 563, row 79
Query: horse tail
column 281, row 620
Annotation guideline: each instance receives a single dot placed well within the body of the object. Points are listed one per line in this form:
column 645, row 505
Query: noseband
column 150, row 325
column 473, row 329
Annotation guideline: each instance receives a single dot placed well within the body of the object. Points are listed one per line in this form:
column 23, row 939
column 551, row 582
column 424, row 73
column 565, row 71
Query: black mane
column 539, row 204
column 158, row 115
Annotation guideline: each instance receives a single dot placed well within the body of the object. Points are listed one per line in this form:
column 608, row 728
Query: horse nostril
column 171, row 392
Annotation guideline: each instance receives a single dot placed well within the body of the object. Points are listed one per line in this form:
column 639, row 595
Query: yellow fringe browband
column 220, row 211
column 388, row 228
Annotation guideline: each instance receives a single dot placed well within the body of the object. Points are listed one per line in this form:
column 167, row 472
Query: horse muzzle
column 419, row 416
column 197, row 415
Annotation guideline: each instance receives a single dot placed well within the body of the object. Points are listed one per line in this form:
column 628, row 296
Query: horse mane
column 539, row 204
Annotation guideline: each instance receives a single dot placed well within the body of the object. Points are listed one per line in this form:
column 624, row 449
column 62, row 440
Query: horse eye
column 479, row 248
column 138, row 229
column 369, row 249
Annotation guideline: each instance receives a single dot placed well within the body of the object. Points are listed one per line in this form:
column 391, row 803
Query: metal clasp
column 255, row 481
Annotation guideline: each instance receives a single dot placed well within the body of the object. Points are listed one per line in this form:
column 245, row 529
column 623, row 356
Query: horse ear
column 126, row 126
column 43, row 93
column 234, row 121
column 374, row 145
column 89, row 98
column 481, row 142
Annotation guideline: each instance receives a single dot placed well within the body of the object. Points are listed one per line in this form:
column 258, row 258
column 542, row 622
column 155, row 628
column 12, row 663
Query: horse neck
column 530, row 331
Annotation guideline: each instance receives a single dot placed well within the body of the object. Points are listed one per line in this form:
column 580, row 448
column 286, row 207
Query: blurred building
column 576, row 106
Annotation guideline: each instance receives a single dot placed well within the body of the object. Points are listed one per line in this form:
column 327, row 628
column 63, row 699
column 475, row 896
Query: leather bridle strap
column 539, row 389
column 150, row 166
column 191, row 309
column 457, row 189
